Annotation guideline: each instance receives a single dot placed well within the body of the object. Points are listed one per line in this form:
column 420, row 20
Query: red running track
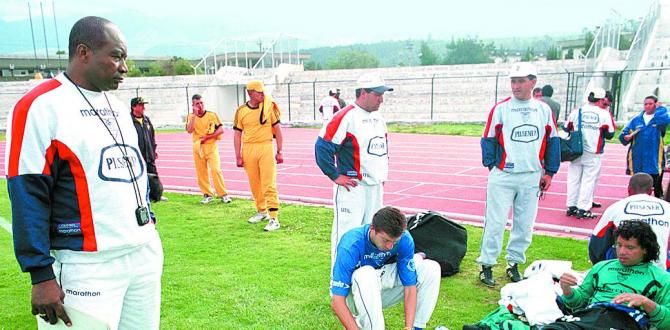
column 427, row 172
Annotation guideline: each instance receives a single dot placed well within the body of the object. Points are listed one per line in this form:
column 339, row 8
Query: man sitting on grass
column 363, row 281
column 640, row 205
column 629, row 292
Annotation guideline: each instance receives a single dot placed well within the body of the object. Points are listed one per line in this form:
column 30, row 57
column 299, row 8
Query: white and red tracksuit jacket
column 70, row 188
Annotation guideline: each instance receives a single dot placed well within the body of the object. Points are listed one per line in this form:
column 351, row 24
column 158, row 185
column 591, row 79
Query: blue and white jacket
column 645, row 154
column 358, row 139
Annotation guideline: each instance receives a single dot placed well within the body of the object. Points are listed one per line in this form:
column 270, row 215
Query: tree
column 571, row 54
column 427, row 56
column 529, row 55
column 469, row 51
column 156, row 69
column 312, row 65
column 502, row 53
column 181, row 66
column 553, row 53
column 133, row 70
column 353, row 59
column 625, row 41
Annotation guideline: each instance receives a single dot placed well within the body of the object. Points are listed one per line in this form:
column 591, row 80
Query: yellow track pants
column 261, row 168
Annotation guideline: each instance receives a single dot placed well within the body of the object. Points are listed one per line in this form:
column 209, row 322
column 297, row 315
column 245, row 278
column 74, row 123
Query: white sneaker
column 258, row 217
column 272, row 225
column 206, row 200
column 164, row 199
column 226, row 199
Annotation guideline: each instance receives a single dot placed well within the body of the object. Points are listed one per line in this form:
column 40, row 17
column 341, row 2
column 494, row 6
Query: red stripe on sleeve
column 83, row 197
column 19, row 118
column 501, row 141
column 357, row 155
column 602, row 231
column 50, row 154
column 543, row 148
column 488, row 121
column 334, row 123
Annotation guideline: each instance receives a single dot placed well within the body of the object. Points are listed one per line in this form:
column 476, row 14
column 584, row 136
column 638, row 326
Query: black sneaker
column 513, row 272
column 486, row 276
column 572, row 210
column 596, row 205
column 583, row 214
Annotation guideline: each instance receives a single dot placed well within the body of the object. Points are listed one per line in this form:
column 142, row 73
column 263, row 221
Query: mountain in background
column 406, row 52
column 146, row 37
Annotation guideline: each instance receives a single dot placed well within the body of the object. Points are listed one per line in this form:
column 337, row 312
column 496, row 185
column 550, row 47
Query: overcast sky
column 203, row 22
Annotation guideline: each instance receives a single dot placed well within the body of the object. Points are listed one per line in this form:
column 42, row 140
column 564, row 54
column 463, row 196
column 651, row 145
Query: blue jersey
column 356, row 250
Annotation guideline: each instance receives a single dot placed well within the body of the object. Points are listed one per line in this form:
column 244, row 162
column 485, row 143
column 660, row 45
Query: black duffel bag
column 440, row 239
column 572, row 147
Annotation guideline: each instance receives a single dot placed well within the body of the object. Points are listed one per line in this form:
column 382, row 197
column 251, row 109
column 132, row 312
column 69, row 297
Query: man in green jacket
column 624, row 293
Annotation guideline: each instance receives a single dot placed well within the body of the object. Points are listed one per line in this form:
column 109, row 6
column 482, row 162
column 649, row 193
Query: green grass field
column 222, row 273
column 469, row 130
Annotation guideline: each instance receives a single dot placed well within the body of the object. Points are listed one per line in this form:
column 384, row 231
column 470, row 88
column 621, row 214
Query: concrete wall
column 169, row 97
column 460, row 93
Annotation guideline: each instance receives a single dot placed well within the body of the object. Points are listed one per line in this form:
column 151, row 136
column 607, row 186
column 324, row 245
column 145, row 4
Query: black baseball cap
column 138, row 100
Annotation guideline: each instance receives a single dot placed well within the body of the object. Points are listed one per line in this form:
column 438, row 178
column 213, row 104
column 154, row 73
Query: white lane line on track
column 450, row 186
column 408, row 188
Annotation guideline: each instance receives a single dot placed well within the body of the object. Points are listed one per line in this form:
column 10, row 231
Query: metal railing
column 281, row 48
column 607, row 35
column 462, row 98
column 637, row 49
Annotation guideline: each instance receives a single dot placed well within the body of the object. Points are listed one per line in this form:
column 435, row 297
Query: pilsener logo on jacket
column 525, row 133
column 377, row 146
column 114, row 165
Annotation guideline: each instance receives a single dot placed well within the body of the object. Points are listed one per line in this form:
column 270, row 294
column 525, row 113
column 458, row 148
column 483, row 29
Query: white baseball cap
column 333, row 91
column 598, row 93
column 374, row 82
column 522, row 69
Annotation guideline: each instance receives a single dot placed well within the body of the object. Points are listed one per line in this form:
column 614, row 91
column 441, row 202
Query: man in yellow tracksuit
column 255, row 124
column 205, row 129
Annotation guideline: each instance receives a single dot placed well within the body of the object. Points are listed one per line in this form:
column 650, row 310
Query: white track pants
column 519, row 191
column 375, row 289
column 125, row 291
column 583, row 175
column 352, row 209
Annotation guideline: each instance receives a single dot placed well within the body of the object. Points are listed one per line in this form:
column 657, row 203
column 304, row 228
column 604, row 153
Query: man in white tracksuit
column 77, row 183
column 352, row 150
column 364, row 281
column 597, row 125
column 521, row 148
column 329, row 106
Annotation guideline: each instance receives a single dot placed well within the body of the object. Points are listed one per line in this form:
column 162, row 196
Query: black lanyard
column 124, row 151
